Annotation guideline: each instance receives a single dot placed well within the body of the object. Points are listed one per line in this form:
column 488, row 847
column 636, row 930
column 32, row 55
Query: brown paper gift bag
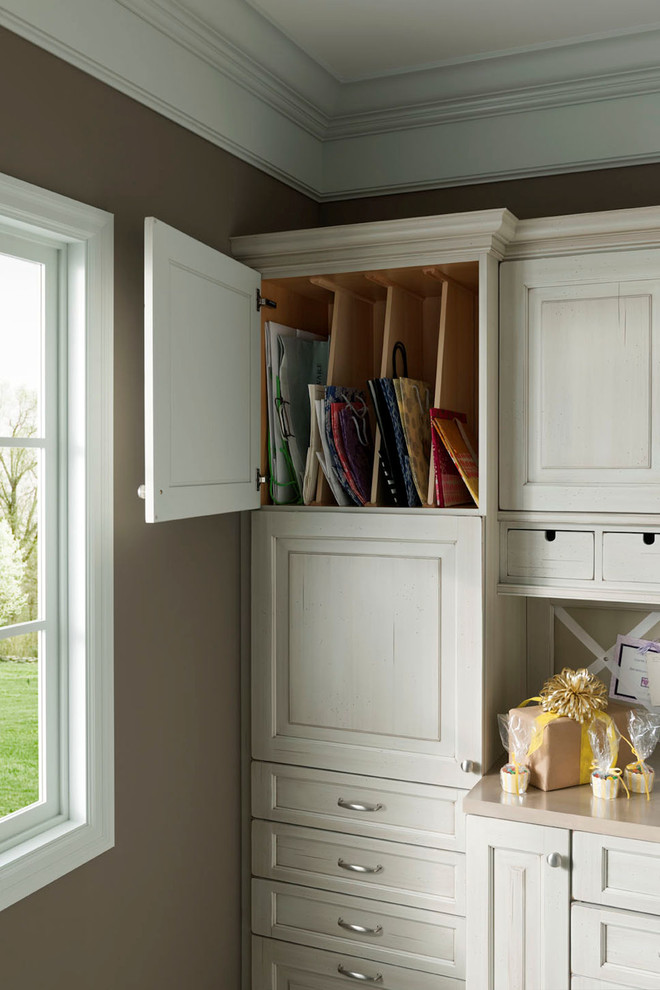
column 557, row 761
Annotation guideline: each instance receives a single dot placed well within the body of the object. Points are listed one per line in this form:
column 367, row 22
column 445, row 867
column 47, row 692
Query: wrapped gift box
column 557, row 761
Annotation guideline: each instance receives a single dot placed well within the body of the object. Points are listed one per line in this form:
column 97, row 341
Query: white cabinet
column 580, row 383
column 517, row 906
column 365, row 645
column 202, row 378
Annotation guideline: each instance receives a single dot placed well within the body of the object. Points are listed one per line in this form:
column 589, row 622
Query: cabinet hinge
column 262, row 301
column 261, row 479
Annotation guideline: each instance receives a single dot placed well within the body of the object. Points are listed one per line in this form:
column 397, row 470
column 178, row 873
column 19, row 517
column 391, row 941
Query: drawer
column 584, row 983
column 283, row 966
column 432, row 879
column 622, row 873
column 549, row 554
column 421, row 814
column 387, row 933
column 628, row 558
column 616, row 946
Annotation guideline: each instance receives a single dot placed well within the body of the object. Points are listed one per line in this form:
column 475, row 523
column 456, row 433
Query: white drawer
column 423, row 814
column 549, row 554
column 615, row 872
column 584, row 983
column 403, row 936
column 616, row 946
column 432, row 879
column 283, row 966
column 628, row 558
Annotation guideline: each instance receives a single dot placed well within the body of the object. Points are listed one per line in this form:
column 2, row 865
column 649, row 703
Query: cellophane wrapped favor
column 643, row 732
column 516, row 735
column 605, row 776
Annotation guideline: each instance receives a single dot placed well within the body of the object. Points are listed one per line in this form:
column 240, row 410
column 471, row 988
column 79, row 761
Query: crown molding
column 300, row 89
column 570, row 108
column 424, row 240
column 585, row 232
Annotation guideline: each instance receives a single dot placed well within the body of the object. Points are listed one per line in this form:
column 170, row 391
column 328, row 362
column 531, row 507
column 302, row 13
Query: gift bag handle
column 399, row 348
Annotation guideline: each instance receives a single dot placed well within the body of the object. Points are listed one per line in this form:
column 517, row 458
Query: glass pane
column 19, row 530
column 19, row 723
column 21, row 308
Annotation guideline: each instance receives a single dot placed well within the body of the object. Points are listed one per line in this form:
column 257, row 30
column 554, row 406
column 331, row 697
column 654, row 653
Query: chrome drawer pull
column 356, row 868
column 360, row 929
column 358, row 805
column 353, row 975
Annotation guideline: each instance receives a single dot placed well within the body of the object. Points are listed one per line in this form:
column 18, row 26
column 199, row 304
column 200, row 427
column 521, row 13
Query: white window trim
column 88, row 828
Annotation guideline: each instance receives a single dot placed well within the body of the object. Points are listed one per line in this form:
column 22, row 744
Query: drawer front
column 615, row 872
column 616, row 946
column 421, row 814
column 546, row 554
column 432, row 879
column 584, row 983
column 626, row 557
column 423, row 940
column 283, row 966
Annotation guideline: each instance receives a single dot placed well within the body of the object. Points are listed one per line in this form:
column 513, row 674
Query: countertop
column 572, row 807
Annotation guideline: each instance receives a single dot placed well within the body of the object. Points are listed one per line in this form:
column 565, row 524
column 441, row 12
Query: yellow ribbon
column 642, row 766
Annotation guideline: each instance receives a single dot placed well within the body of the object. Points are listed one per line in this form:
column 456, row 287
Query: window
column 56, row 640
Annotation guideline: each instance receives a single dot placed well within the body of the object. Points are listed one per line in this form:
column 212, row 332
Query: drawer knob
column 554, row 860
column 467, row 766
column 360, row 929
column 356, row 868
column 354, row 975
column 358, row 805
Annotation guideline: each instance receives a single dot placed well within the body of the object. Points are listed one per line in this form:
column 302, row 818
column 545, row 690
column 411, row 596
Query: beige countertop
column 571, row 807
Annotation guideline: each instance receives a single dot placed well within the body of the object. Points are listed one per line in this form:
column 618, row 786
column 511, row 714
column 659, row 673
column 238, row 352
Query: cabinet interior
column 432, row 310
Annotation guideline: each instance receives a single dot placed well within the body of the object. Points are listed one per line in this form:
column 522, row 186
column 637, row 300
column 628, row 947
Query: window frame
column 51, row 441
column 84, row 828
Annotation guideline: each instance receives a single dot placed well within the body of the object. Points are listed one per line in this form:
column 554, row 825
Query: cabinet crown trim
column 579, row 233
column 412, row 241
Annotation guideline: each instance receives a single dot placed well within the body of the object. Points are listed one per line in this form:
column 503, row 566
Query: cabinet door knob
column 467, row 766
column 554, row 860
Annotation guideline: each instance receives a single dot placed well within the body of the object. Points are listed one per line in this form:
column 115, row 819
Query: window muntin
column 32, row 466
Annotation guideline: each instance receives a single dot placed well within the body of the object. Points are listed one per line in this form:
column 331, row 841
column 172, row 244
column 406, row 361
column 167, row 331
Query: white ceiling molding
column 252, row 91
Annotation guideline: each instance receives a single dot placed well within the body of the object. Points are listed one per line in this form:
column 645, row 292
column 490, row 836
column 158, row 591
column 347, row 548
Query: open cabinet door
column 202, row 378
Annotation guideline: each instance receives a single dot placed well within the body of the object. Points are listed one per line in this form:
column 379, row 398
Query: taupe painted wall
column 160, row 911
column 549, row 195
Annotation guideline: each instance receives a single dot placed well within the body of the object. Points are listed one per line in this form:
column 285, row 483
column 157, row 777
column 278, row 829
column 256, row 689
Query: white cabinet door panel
column 579, row 378
column 202, row 378
column 367, row 643
column 517, row 906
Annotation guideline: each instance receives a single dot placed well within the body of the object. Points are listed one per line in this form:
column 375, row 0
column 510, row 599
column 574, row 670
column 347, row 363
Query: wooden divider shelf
column 432, row 311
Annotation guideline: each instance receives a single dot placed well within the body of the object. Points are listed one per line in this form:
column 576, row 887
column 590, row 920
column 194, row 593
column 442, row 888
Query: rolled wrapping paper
column 639, row 781
column 605, row 784
column 514, row 779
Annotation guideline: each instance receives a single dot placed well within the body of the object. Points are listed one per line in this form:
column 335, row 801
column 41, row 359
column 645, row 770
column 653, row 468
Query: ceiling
column 362, row 39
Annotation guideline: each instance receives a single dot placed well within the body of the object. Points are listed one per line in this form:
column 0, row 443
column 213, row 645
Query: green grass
column 19, row 738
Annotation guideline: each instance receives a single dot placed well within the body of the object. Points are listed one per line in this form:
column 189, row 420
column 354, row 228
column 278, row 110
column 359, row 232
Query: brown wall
column 549, row 195
column 161, row 910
